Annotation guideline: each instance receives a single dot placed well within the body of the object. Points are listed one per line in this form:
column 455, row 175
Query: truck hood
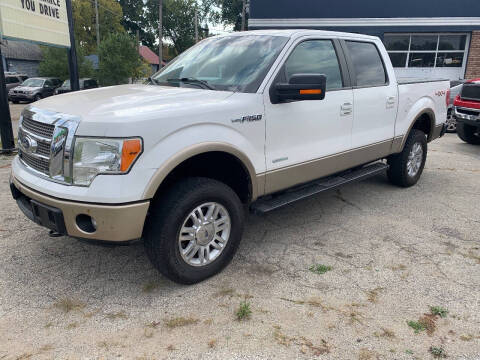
column 128, row 101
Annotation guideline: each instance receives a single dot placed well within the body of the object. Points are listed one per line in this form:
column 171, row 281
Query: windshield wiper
column 190, row 80
column 153, row 81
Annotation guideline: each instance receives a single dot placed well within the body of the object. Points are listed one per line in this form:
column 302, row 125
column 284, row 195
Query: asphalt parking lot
column 389, row 254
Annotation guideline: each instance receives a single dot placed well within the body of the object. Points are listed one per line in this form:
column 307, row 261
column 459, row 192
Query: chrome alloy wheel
column 451, row 123
column 204, row 234
column 415, row 159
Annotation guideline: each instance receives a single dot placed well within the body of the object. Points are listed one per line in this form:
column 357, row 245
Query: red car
column 467, row 112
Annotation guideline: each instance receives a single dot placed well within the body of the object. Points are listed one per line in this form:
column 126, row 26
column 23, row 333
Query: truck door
column 375, row 96
column 301, row 134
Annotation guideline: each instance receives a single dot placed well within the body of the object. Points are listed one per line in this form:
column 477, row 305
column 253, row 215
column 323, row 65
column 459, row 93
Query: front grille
column 38, row 128
column 43, row 149
column 34, row 162
column 471, row 92
column 467, row 112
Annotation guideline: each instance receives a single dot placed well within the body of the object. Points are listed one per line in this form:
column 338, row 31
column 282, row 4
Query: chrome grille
column 37, row 149
column 34, row 162
column 38, row 128
column 43, row 148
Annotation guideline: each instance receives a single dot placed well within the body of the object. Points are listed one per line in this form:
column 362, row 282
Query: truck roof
column 295, row 33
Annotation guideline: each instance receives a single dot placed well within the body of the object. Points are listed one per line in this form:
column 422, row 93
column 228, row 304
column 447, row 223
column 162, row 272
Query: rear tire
column 167, row 243
column 407, row 166
column 469, row 134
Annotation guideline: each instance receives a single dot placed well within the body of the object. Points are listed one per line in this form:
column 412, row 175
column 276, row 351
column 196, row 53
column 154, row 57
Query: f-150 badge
column 249, row 118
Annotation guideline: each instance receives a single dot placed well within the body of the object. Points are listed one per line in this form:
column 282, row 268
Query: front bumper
column 20, row 97
column 468, row 116
column 116, row 223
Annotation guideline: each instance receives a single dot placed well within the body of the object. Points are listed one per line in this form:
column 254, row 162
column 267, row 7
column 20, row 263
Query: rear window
column 367, row 63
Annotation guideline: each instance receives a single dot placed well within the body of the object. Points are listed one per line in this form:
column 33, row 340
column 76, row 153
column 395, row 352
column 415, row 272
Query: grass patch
column 224, row 292
column 385, row 333
column 438, row 352
column 150, row 287
column 416, row 325
column 244, row 311
column 439, row 311
column 116, row 315
column 180, row 321
column 67, row 305
column 372, row 295
column 466, row 337
column 320, row 269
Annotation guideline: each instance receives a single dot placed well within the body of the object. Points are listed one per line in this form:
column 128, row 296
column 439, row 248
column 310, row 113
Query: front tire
column 407, row 166
column 469, row 134
column 194, row 230
column 37, row 97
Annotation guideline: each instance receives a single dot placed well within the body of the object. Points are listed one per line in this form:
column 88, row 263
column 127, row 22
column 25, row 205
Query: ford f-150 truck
column 251, row 120
column 467, row 112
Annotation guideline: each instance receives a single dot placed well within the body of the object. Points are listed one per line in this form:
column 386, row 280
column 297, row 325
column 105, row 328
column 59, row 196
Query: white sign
column 41, row 21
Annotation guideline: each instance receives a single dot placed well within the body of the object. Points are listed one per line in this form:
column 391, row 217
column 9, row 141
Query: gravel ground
column 393, row 254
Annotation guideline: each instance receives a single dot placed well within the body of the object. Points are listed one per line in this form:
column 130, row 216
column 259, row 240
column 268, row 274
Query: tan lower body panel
column 114, row 222
column 298, row 174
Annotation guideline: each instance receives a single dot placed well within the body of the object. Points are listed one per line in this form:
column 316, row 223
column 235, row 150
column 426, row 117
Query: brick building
column 425, row 38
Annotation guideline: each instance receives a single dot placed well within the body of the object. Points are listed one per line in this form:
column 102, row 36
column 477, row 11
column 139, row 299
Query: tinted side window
column 367, row 63
column 315, row 57
column 48, row 83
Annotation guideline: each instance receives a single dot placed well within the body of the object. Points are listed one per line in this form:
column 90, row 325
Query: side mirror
column 301, row 87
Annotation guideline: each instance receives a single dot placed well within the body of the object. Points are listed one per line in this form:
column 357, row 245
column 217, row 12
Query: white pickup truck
column 252, row 120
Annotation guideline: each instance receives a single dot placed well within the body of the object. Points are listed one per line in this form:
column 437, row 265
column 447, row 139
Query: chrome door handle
column 346, row 109
column 391, row 101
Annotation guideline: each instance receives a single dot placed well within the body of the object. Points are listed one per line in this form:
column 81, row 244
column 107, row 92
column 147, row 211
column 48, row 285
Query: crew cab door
column 375, row 96
column 299, row 134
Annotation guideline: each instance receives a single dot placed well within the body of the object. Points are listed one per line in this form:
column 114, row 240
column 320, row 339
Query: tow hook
column 54, row 234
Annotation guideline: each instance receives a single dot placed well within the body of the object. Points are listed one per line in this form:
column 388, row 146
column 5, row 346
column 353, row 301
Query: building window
column 426, row 50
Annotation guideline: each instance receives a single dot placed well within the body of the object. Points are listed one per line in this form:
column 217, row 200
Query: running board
column 265, row 205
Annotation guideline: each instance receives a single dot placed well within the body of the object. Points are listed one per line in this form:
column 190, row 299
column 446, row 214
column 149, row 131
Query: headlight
column 94, row 156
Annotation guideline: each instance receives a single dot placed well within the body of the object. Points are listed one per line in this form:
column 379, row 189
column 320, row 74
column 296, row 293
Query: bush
column 118, row 60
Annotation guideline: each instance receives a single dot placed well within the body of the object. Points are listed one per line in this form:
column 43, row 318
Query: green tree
column 110, row 17
column 119, row 60
column 179, row 21
column 55, row 63
column 231, row 13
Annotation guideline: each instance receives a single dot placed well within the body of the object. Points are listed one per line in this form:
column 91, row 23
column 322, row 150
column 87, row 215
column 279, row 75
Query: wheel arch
column 425, row 121
column 201, row 152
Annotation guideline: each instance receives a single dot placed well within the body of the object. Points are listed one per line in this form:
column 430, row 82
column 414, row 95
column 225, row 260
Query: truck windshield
column 232, row 63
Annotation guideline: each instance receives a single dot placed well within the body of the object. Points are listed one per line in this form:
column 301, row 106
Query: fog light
column 86, row 223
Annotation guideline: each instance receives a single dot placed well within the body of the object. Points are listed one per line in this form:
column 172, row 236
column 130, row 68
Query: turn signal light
column 311, row 92
column 130, row 151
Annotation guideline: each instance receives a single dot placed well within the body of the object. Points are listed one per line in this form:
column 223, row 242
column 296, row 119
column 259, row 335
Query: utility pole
column 6, row 132
column 72, row 52
column 244, row 5
column 196, row 26
column 97, row 24
column 160, row 34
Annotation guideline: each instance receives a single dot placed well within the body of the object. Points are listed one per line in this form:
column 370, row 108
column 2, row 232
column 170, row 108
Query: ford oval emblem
column 29, row 145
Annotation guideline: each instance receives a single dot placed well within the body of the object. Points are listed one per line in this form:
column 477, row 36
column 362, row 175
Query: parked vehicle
column 84, row 83
column 455, row 88
column 251, row 120
column 34, row 89
column 467, row 112
column 12, row 81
